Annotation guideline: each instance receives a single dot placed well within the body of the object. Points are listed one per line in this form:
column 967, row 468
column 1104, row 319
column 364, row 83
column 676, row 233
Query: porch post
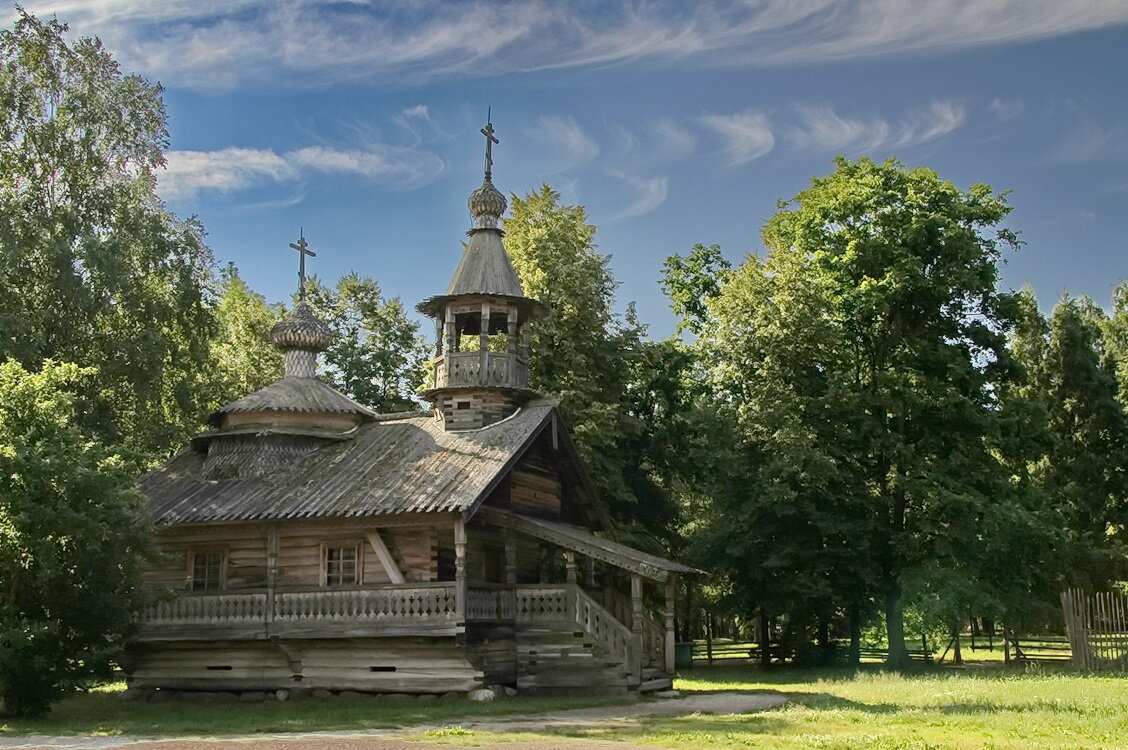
column 510, row 559
column 636, row 624
column 671, row 597
column 460, row 570
column 271, row 573
column 570, row 567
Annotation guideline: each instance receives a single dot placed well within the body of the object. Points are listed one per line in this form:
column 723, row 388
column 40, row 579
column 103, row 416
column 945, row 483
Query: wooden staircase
column 568, row 644
column 552, row 662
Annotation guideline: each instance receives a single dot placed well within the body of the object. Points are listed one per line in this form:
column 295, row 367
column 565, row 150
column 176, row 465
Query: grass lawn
column 844, row 711
column 99, row 712
column 829, row 710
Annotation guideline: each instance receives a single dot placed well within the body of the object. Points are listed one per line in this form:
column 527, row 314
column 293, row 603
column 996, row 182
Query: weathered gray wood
column 385, row 557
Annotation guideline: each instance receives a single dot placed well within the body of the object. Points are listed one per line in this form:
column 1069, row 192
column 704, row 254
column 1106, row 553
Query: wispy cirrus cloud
column 820, row 127
column 565, row 139
column 1091, row 141
column 214, row 45
column 190, row 173
column 649, row 194
column 744, row 135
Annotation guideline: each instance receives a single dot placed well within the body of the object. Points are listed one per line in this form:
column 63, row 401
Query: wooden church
column 311, row 544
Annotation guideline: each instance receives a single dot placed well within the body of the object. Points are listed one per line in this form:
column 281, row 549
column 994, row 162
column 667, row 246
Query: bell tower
column 481, row 369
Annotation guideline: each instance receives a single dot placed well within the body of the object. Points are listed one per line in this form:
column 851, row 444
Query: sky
column 673, row 123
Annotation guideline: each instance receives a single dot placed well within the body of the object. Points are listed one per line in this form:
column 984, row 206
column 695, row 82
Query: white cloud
column 672, row 141
column 212, row 44
column 189, row 173
column 745, row 135
column 650, row 192
column 820, row 128
column 1091, row 141
column 565, row 138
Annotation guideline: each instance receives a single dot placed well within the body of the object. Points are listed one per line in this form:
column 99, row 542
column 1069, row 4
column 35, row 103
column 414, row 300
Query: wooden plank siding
column 409, row 665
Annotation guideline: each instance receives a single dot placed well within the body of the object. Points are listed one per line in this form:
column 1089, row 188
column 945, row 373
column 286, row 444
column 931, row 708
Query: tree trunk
column 826, row 645
column 765, row 641
column 895, row 627
column 957, row 655
column 855, row 657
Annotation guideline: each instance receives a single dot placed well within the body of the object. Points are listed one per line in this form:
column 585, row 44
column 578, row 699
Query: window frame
column 221, row 575
column 357, row 545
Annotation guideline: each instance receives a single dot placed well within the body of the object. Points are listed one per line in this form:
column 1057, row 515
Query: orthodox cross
column 303, row 250
column 488, row 132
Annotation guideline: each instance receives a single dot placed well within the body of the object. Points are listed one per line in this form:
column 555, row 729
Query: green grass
column 840, row 710
column 829, row 710
column 99, row 712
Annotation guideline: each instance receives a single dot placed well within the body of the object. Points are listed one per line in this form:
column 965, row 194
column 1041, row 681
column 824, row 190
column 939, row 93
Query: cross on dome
column 303, row 250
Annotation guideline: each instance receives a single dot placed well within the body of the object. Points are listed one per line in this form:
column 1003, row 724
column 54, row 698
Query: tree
column 589, row 359
column 244, row 358
column 691, row 282
column 72, row 531
column 83, row 239
column 861, row 357
column 1070, row 382
column 377, row 354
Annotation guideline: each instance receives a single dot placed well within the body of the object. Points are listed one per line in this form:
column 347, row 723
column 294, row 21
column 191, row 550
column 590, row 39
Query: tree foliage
column 594, row 362
column 860, row 358
column 72, row 529
column 95, row 271
column 244, row 358
column 377, row 353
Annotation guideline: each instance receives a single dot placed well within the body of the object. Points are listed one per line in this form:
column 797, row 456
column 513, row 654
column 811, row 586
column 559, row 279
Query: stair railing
column 602, row 627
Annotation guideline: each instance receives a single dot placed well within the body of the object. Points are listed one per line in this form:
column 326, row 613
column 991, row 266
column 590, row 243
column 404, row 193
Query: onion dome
column 301, row 329
column 487, row 204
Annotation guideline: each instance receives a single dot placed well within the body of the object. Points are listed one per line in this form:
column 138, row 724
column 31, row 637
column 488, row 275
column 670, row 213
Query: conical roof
column 485, row 268
column 294, row 394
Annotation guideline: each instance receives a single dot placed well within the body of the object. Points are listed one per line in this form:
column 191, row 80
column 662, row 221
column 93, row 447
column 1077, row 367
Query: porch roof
column 576, row 539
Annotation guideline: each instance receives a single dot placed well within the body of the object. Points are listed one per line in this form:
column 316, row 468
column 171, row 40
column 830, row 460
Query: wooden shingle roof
column 390, row 465
column 296, row 394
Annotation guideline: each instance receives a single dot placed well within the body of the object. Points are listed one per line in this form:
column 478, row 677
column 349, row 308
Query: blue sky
column 672, row 122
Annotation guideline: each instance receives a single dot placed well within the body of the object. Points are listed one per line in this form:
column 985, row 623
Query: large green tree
column 1069, row 389
column 377, row 353
column 599, row 365
column 862, row 357
column 93, row 270
column 243, row 356
column 72, row 531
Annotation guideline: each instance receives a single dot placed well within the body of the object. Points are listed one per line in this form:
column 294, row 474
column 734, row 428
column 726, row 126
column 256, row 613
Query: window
column 342, row 565
column 207, row 571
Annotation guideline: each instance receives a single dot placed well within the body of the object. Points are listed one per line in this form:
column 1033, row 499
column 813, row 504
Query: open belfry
column 311, row 545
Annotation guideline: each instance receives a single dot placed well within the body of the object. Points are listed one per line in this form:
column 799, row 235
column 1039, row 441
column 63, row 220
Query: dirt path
column 602, row 716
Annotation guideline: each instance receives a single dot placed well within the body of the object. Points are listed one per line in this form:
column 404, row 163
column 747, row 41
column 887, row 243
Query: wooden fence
column 1097, row 627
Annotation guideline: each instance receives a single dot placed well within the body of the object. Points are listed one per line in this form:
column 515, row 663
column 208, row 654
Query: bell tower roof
column 485, row 268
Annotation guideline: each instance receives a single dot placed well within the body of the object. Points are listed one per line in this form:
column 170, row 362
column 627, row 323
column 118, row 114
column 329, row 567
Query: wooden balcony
column 409, row 609
column 455, row 369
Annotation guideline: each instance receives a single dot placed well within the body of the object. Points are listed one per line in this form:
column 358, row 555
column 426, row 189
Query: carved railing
column 490, row 602
column 207, row 609
column 387, row 603
column 570, row 604
column 539, row 603
column 604, row 629
column 422, row 604
column 465, row 368
column 653, row 643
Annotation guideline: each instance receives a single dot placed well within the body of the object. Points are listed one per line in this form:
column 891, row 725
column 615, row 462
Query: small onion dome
column 487, row 204
column 301, row 329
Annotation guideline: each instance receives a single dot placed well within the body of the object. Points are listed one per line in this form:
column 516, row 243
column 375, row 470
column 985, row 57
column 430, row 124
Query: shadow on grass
column 104, row 714
column 991, row 707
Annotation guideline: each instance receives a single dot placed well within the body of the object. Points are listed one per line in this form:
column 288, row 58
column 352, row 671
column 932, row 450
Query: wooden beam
column 395, row 575
column 671, row 598
column 460, row 570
